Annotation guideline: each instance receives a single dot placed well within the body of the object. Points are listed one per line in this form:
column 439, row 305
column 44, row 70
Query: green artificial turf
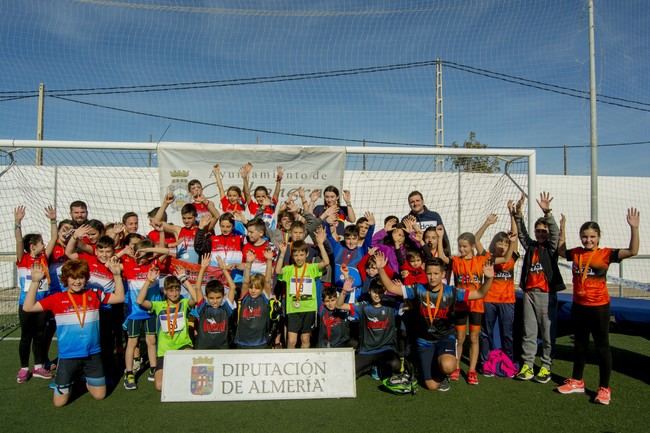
column 494, row 405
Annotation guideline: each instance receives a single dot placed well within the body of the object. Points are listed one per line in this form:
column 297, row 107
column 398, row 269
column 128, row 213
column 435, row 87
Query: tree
column 480, row 164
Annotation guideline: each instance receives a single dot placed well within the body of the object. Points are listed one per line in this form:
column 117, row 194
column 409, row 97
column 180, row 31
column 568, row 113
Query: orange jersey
column 502, row 290
column 536, row 278
column 468, row 274
column 590, row 274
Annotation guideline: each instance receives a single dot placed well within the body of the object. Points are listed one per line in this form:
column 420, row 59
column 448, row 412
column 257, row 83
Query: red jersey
column 259, row 265
column 468, row 274
column 590, row 274
column 154, row 235
column 226, row 206
column 228, row 247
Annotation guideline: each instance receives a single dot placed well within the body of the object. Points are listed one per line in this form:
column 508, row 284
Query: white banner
column 229, row 375
column 309, row 167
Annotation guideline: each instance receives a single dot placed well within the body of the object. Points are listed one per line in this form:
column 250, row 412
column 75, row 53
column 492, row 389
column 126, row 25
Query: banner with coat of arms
column 307, row 167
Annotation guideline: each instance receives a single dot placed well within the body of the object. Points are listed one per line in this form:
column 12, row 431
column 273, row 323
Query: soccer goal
column 462, row 185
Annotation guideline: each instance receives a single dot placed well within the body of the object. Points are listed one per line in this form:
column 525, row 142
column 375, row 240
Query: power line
column 311, row 136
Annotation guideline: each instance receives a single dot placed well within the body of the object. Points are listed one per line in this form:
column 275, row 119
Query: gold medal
column 296, row 303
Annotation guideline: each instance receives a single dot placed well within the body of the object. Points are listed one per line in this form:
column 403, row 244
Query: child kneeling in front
column 172, row 314
column 76, row 312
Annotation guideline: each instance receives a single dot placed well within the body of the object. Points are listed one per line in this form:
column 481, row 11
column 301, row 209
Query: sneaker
column 129, row 381
column 151, row 376
column 604, row 395
column 526, row 373
column 571, row 386
column 543, row 375
column 42, row 373
column 485, row 374
column 374, row 373
column 472, row 377
column 444, row 386
column 455, row 375
column 23, row 375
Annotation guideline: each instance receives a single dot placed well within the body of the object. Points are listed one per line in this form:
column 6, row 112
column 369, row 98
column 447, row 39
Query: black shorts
column 135, row 327
column 475, row 319
column 428, row 356
column 67, row 369
column 301, row 323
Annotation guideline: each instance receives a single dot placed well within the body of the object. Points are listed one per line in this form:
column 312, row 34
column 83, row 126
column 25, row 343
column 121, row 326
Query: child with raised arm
column 228, row 245
column 436, row 304
column 377, row 331
column 467, row 268
column 301, row 293
column 540, row 281
column 253, row 328
column 232, row 200
column 76, row 312
column 333, row 324
column 261, row 201
column 30, row 250
column 172, row 315
column 57, row 257
column 184, row 234
column 331, row 199
column 138, row 319
column 499, row 303
column 590, row 311
column 348, row 254
column 202, row 205
column 214, row 309
column 255, row 235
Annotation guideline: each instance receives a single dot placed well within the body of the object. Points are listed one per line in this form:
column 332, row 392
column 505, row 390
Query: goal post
column 119, row 177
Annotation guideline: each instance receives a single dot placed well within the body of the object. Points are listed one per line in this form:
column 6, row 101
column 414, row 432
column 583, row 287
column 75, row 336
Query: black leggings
column 388, row 363
column 32, row 335
column 594, row 320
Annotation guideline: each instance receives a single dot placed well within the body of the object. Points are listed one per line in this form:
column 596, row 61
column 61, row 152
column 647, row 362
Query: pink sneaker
column 23, row 375
column 42, row 373
column 455, row 375
column 571, row 386
column 604, row 396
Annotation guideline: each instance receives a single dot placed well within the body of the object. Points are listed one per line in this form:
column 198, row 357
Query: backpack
column 499, row 364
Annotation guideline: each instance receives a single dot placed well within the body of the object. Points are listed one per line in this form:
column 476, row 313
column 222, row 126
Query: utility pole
column 592, row 111
column 440, row 124
column 39, row 122
column 565, row 160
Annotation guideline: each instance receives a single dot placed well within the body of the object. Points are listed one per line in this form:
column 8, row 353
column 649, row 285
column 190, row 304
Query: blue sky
column 86, row 43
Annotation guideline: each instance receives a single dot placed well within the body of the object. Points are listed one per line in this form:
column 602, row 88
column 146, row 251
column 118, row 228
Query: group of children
column 397, row 295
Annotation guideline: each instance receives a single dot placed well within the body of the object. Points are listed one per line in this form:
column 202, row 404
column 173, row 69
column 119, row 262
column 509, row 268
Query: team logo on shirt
column 202, row 379
column 178, row 187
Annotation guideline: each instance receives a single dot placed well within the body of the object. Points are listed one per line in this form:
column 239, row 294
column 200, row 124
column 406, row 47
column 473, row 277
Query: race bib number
column 166, row 322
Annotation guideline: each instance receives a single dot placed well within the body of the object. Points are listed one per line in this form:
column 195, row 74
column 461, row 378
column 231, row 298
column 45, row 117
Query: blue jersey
column 77, row 330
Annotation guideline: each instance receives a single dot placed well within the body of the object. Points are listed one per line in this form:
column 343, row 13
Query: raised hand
column 222, row 263
column 633, row 217
column 38, row 273
column 520, row 204
column 314, row 195
column 206, row 259
column 50, row 213
column 269, row 254
column 283, row 247
column 179, row 271
column 511, row 207
column 301, row 193
column 250, row 256
column 348, row 285
column 216, row 170
column 168, row 198
column 154, row 273
column 440, row 230
column 562, row 221
column 347, row 197
column 81, row 232
column 370, row 217
column 320, row 235
column 544, row 201
column 372, row 251
column 114, row 265
column 491, row 219
column 279, row 174
column 488, row 269
column 19, row 214
column 380, row 260
column 204, row 222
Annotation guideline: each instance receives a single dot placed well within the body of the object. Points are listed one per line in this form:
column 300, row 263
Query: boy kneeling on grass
column 436, row 301
column 76, row 312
